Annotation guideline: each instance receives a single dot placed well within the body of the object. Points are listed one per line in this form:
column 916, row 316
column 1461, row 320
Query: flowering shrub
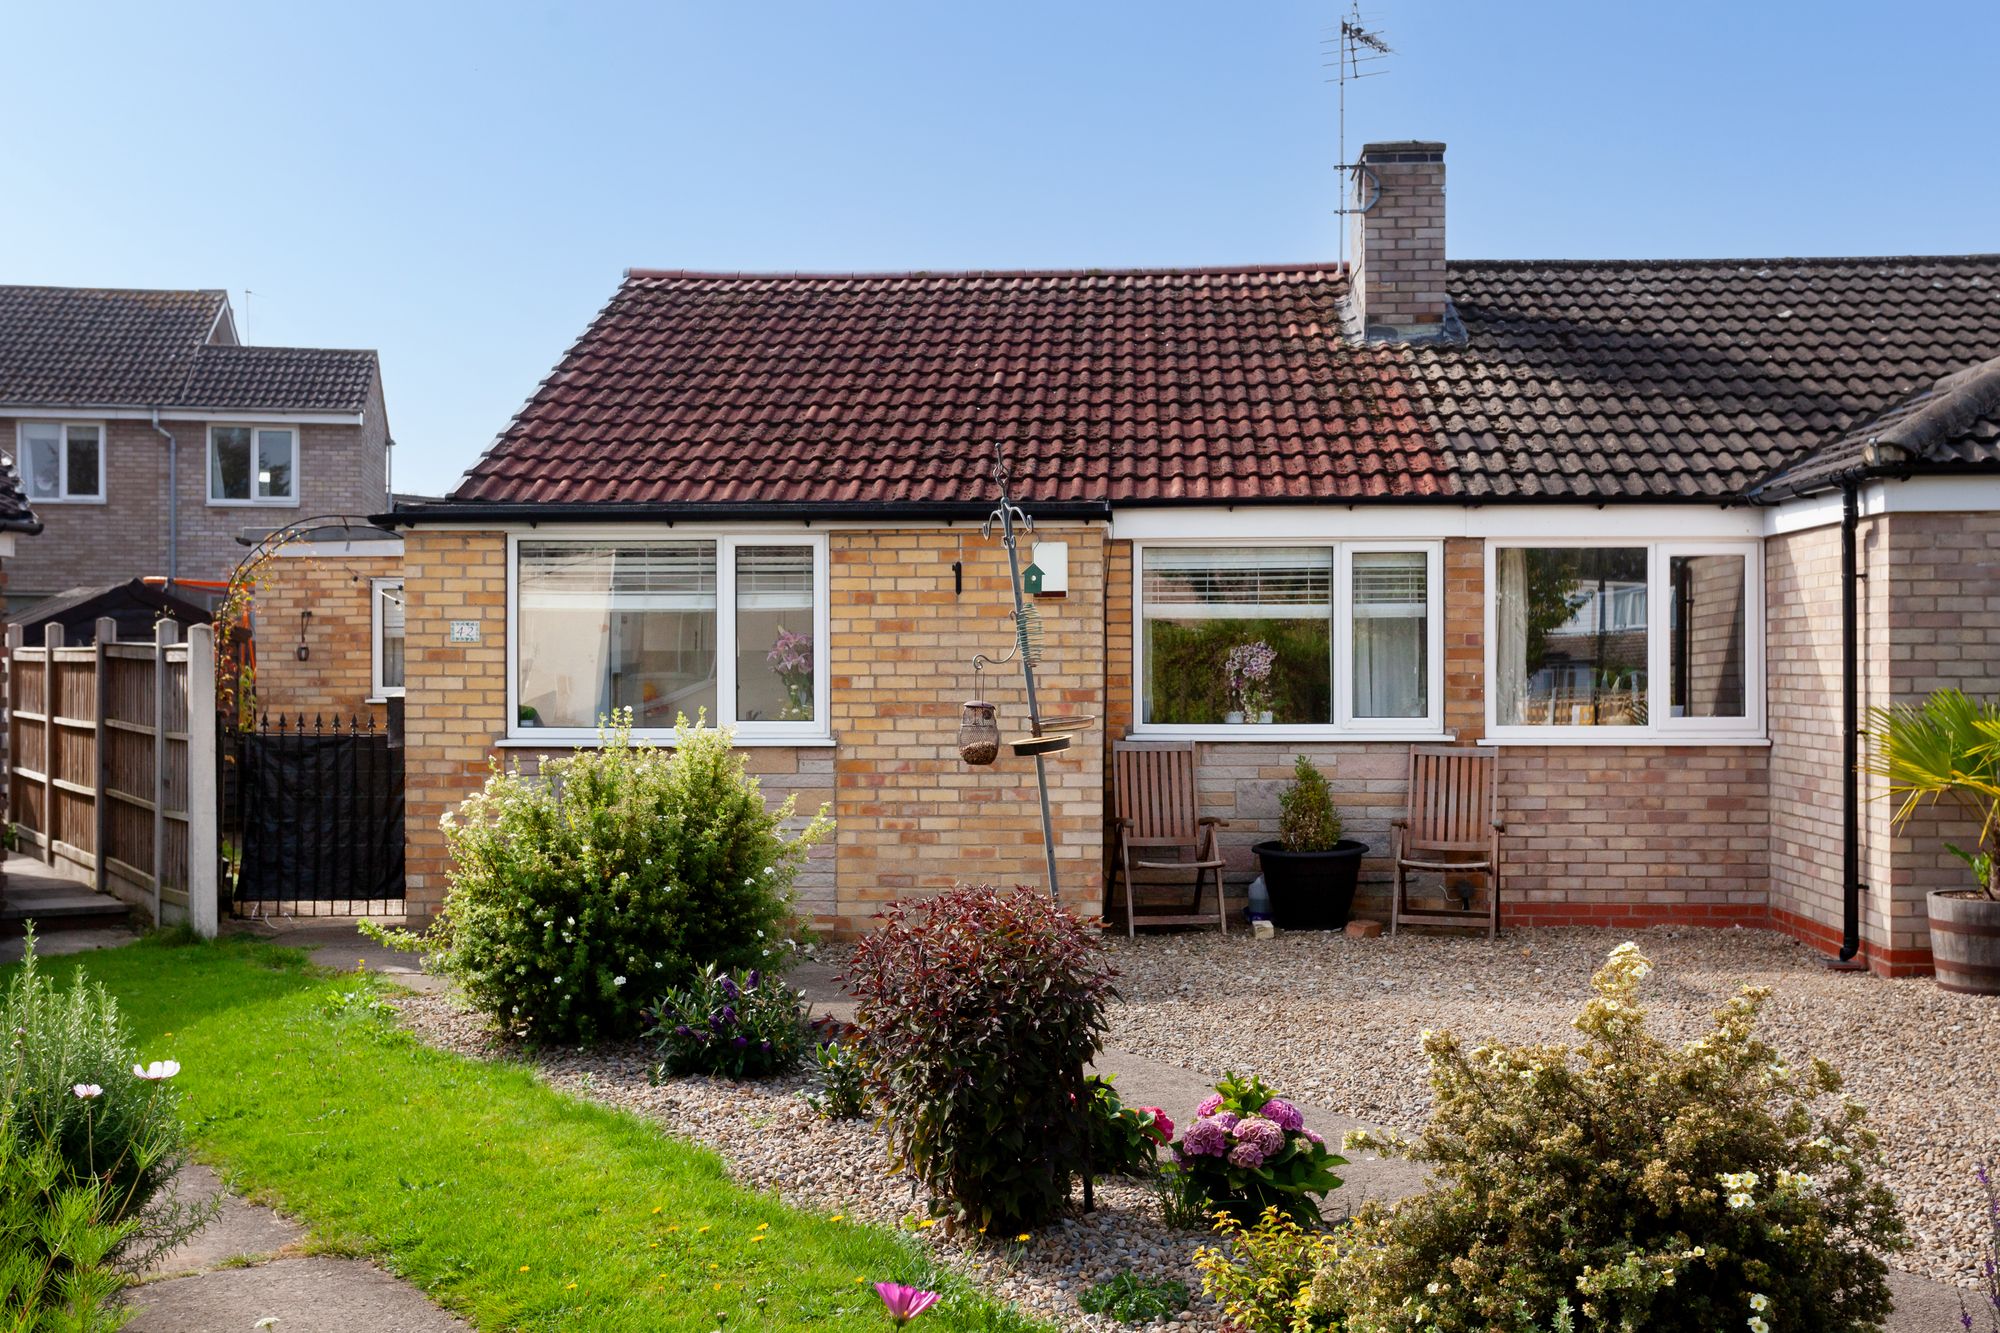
column 1248, row 1150
column 577, row 895
column 1249, row 671
column 1274, row 1277
column 1124, row 1140
column 981, row 1008
column 1628, row 1184
column 73, row 1086
column 740, row 1027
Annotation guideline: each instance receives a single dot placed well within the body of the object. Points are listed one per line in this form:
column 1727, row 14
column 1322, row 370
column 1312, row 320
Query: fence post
column 17, row 639
column 105, row 635
column 204, row 909
column 52, row 639
column 165, row 634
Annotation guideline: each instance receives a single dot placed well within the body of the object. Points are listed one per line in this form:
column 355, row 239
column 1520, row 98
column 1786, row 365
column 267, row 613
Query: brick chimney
column 1397, row 244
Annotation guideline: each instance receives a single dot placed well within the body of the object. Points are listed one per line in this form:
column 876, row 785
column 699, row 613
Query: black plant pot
column 1311, row 890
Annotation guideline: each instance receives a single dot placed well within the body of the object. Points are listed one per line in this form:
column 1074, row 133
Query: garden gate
column 315, row 817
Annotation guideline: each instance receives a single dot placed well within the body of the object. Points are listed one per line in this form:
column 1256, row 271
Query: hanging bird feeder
column 979, row 733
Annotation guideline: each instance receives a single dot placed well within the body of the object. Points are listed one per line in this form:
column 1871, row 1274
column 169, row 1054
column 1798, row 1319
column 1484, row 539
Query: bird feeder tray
column 1067, row 724
column 1027, row 746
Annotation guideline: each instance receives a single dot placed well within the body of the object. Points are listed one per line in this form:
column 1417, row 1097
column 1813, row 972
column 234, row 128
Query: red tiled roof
column 1199, row 385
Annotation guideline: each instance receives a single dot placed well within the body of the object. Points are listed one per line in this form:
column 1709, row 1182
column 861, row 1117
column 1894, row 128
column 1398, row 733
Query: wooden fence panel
column 105, row 781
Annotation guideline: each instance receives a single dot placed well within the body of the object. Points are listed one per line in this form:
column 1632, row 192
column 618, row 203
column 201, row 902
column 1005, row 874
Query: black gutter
column 1850, row 724
column 474, row 511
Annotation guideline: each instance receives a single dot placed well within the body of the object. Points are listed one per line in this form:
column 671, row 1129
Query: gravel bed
column 1335, row 1022
column 772, row 1140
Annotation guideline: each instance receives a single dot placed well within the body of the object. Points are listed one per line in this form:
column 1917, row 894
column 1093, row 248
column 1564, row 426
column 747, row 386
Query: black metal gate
column 313, row 817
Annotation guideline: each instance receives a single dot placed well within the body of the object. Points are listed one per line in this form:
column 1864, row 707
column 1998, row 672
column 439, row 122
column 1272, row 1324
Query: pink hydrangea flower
column 1205, row 1138
column 1209, row 1105
column 1246, row 1155
column 1264, row 1135
column 1228, row 1120
column 1158, row 1127
column 1314, row 1137
column 1287, row 1116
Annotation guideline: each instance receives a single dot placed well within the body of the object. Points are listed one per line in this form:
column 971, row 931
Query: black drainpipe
column 1850, row 727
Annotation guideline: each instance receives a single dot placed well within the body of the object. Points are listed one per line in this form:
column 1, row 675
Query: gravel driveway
column 1335, row 1021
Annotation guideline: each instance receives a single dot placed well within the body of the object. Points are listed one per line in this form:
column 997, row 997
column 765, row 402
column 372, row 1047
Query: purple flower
column 728, row 1013
column 729, row 988
column 764, row 1046
column 1287, row 1116
column 683, row 1031
column 1228, row 1120
column 750, row 982
column 1246, row 1155
column 905, row 1303
column 1314, row 1137
column 791, row 654
column 741, row 1042
column 1205, row 1138
column 1209, row 1105
column 1264, row 1135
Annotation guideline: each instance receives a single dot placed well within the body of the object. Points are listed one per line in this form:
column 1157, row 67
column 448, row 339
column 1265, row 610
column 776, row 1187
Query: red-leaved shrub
column 981, row 1007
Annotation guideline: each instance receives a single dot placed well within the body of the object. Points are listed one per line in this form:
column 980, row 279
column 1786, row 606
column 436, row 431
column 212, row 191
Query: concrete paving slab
column 241, row 1230
column 304, row 1295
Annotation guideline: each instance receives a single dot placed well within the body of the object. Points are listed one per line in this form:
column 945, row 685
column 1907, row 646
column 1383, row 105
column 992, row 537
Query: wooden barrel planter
column 1965, row 941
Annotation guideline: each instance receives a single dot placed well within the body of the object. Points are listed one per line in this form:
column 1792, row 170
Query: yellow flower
column 1022, row 1236
column 656, row 1212
column 718, row 1286
column 763, row 1226
column 570, row 1287
column 858, row 1281
column 672, row 1229
column 755, row 1239
column 927, row 1224
column 654, row 1246
column 524, row 1268
column 836, row 1217
column 699, row 1230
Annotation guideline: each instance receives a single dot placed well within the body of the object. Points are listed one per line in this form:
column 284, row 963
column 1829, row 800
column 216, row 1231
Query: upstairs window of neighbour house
column 62, row 461
column 252, row 465
column 1336, row 637
column 1656, row 638
column 728, row 627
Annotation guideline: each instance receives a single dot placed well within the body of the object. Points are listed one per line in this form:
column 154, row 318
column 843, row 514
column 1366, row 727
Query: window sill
column 1257, row 735
column 1650, row 740
column 68, row 500
column 383, row 698
column 214, row 503
column 665, row 742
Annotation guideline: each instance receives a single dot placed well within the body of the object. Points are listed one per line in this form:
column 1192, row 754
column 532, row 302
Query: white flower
column 569, row 921
column 268, row 1321
column 87, row 1091
column 617, row 981
column 1739, row 1201
column 157, row 1071
column 1759, row 1301
column 1434, row 1288
column 1698, row 1252
column 1758, row 1326
column 558, row 981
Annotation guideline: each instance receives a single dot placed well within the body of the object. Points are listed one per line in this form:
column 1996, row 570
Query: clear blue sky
column 461, row 186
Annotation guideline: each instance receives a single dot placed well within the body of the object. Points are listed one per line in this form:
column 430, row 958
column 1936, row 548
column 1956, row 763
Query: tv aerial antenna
column 1356, row 47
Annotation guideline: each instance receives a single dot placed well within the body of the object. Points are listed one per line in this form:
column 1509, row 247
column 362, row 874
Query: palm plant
column 1945, row 748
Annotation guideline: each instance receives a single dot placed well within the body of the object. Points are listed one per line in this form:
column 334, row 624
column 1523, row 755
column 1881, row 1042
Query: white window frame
column 1660, row 727
column 818, row 731
column 1345, row 725
column 376, row 587
column 255, row 501
column 62, row 495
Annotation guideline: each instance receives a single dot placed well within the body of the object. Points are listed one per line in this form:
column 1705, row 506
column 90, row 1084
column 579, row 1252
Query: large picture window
column 726, row 627
column 1624, row 639
column 1258, row 639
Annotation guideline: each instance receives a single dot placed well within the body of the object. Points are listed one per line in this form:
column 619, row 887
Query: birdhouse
column 1031, row 581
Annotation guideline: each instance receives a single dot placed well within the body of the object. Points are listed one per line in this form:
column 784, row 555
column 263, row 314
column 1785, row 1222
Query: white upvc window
column 387, row 637
column 253, row 465
column 730, row 624
column 1618, row 640
column 62, row 462
column 1273, row 640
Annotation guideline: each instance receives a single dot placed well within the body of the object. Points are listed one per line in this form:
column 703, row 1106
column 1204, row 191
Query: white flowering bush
column 581, row 894
column 1625, row 1183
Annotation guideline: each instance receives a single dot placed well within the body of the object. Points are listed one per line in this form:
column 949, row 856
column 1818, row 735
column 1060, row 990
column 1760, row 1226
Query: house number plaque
column 465, row 631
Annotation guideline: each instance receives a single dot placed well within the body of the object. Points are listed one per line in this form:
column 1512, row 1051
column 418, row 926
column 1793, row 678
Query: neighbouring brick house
column 148, row 437
column 1590, row 514
column 329, row 615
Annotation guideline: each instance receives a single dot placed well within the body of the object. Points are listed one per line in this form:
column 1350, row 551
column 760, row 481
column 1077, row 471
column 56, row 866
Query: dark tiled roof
column 1952, row 425
column 1677, row 380
column 297, row 378
column 886, row 389
column 83, row 346
column 1688, row 379
column 16, row 514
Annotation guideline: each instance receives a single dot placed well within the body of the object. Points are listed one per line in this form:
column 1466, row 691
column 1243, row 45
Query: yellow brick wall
column 911, row 817
column 337, row 678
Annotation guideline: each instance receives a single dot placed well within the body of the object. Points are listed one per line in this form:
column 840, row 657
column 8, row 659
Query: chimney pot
column 1397, row 273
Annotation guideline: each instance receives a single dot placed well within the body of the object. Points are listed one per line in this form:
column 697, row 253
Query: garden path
column 251, row 1263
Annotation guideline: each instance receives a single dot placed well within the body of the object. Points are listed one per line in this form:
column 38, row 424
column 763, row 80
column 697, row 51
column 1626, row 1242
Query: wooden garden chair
column 1156, row 807
column 1453, row 828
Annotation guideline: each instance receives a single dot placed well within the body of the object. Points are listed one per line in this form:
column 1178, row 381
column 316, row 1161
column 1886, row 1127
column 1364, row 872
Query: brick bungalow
column 1590, row 514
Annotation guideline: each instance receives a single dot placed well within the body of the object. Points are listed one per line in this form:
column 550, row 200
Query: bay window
column 1247, row 640
column 1624, row 639
column 724, row 626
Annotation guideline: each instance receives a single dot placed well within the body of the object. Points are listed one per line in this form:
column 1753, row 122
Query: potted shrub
column 1948, row 748
column 1310, row 870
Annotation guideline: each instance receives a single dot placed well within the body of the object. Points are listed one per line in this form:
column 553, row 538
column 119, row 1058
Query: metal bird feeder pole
column 1025, row 624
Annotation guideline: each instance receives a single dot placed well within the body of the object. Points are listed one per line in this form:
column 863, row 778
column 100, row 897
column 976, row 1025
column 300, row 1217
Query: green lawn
column 515, row 1205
